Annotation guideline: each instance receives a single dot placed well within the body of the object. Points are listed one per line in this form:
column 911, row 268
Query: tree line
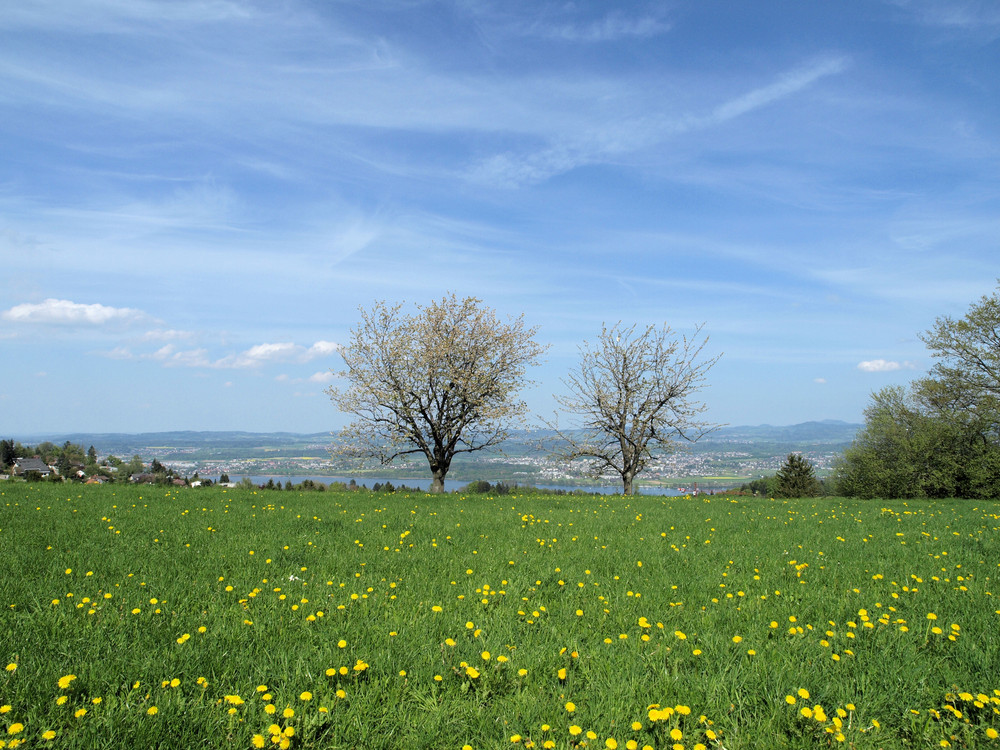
column 940, row 436
column 73, row 461
column 937, row 437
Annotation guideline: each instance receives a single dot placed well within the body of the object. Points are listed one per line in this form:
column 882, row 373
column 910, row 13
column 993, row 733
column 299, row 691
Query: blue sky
column 197, row 195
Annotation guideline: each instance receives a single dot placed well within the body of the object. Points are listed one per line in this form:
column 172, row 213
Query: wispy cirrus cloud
column 109, row 16
column 971, row 15
column 612, row 139
column 67, row 313
column 884, row 365
column 612, row 27
column 786, row 85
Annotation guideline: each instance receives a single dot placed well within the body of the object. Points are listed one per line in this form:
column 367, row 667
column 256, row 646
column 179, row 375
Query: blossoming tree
column 438, row 383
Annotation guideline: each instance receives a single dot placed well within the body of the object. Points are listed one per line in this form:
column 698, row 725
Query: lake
column 450, row 485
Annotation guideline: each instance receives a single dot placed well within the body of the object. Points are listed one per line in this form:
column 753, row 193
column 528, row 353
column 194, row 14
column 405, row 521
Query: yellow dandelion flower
column 258, row 741
column 11, row 667
column 49, row 734
column 15, row 728
column 790, row 700
column 288, row 713
column 65, row 681
column 152, row 710
column 570, row 706
column 575, row 730
column 80, row 713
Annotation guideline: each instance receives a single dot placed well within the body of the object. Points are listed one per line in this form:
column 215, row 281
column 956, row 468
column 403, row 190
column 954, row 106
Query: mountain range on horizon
column 818, row 431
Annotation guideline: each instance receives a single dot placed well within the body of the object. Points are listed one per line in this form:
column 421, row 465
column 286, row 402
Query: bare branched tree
column 635, row 395
column 441, row 382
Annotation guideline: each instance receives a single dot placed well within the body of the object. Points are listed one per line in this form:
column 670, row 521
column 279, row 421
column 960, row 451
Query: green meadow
column 176, row 617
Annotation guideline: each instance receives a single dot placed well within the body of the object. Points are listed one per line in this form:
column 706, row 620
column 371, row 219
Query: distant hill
column 826, row 431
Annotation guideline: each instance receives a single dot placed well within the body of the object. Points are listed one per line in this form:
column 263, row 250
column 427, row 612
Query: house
column 23, row 465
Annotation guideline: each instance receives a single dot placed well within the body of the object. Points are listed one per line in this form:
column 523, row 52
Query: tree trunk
column 437, row 483
column 627, row 483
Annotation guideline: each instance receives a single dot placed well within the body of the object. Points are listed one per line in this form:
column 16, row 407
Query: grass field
column 151, row 617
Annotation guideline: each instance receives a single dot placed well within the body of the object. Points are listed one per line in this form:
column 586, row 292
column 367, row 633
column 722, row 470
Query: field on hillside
column 173, row 617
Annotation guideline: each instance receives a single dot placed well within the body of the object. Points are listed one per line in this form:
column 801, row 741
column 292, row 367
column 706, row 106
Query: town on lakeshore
column 723, row 460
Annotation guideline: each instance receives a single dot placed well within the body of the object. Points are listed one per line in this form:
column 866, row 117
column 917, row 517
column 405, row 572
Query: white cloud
column 65, row 312
column 821, row 381
column 262, row 354
column 321, row 349
column 119, row 352
column 190, row 358
column 883, row 365
column 324, row 376
column 166, row 335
